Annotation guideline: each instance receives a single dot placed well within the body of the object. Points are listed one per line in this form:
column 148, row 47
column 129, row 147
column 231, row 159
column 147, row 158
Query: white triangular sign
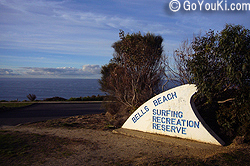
column 173, row 113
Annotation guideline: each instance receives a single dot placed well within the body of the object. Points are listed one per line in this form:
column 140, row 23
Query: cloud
column 52, row 26
column 87, row 71
column 91, row 69
column 7, row 72
column 60, row 27
column 66, row 32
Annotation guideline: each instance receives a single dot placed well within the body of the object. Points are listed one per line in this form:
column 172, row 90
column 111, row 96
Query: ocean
column 19, row 88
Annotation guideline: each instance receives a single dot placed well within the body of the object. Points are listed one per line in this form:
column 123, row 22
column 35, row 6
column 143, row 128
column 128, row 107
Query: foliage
column 88, row 98
column 55, row 99
column 133, row 74
column 224, row 56
column 31, row 97
column 219, row 67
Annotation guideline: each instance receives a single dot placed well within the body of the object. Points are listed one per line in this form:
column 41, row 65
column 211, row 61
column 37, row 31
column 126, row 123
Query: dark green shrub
column 55, row 99
column 75, row 99
column 220, row 67
column 88, row 98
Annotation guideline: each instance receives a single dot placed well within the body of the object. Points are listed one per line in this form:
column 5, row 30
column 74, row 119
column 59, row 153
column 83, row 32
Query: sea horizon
column 18, row 88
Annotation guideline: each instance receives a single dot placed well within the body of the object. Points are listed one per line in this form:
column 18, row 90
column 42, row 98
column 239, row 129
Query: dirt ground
column 100, row 145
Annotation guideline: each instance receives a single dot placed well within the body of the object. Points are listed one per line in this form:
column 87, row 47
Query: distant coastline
column 17, row 89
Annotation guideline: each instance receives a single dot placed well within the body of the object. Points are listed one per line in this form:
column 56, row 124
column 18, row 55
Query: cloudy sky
column 73, row 38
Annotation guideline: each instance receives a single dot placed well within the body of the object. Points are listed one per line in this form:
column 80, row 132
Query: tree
column 219, row 67
column 134, row 73
column 176, row 70
column 221, row 62
column 31, row 97
column 234, row 48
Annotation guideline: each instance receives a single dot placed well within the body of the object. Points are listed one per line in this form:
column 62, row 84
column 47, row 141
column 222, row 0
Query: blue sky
column 73, row 38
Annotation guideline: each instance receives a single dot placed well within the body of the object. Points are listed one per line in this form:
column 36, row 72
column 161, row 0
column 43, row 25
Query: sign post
column 173, row 113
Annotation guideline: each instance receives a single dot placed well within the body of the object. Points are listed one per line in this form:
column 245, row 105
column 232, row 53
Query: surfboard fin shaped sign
column 173, row 113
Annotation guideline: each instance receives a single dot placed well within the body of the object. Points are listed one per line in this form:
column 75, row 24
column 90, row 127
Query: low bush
column 228, row 120
column 55, row 99
column 88, row 98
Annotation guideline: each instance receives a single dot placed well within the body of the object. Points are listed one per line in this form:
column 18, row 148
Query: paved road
column 46, row 111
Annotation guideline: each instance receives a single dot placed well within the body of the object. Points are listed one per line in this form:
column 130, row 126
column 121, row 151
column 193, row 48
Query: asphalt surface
column 45, row 111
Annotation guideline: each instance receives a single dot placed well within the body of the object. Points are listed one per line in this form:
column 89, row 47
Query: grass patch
column 90, row 121
column 24, row 149
column 14, row 104
column 238, row 157
column 10, row 105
